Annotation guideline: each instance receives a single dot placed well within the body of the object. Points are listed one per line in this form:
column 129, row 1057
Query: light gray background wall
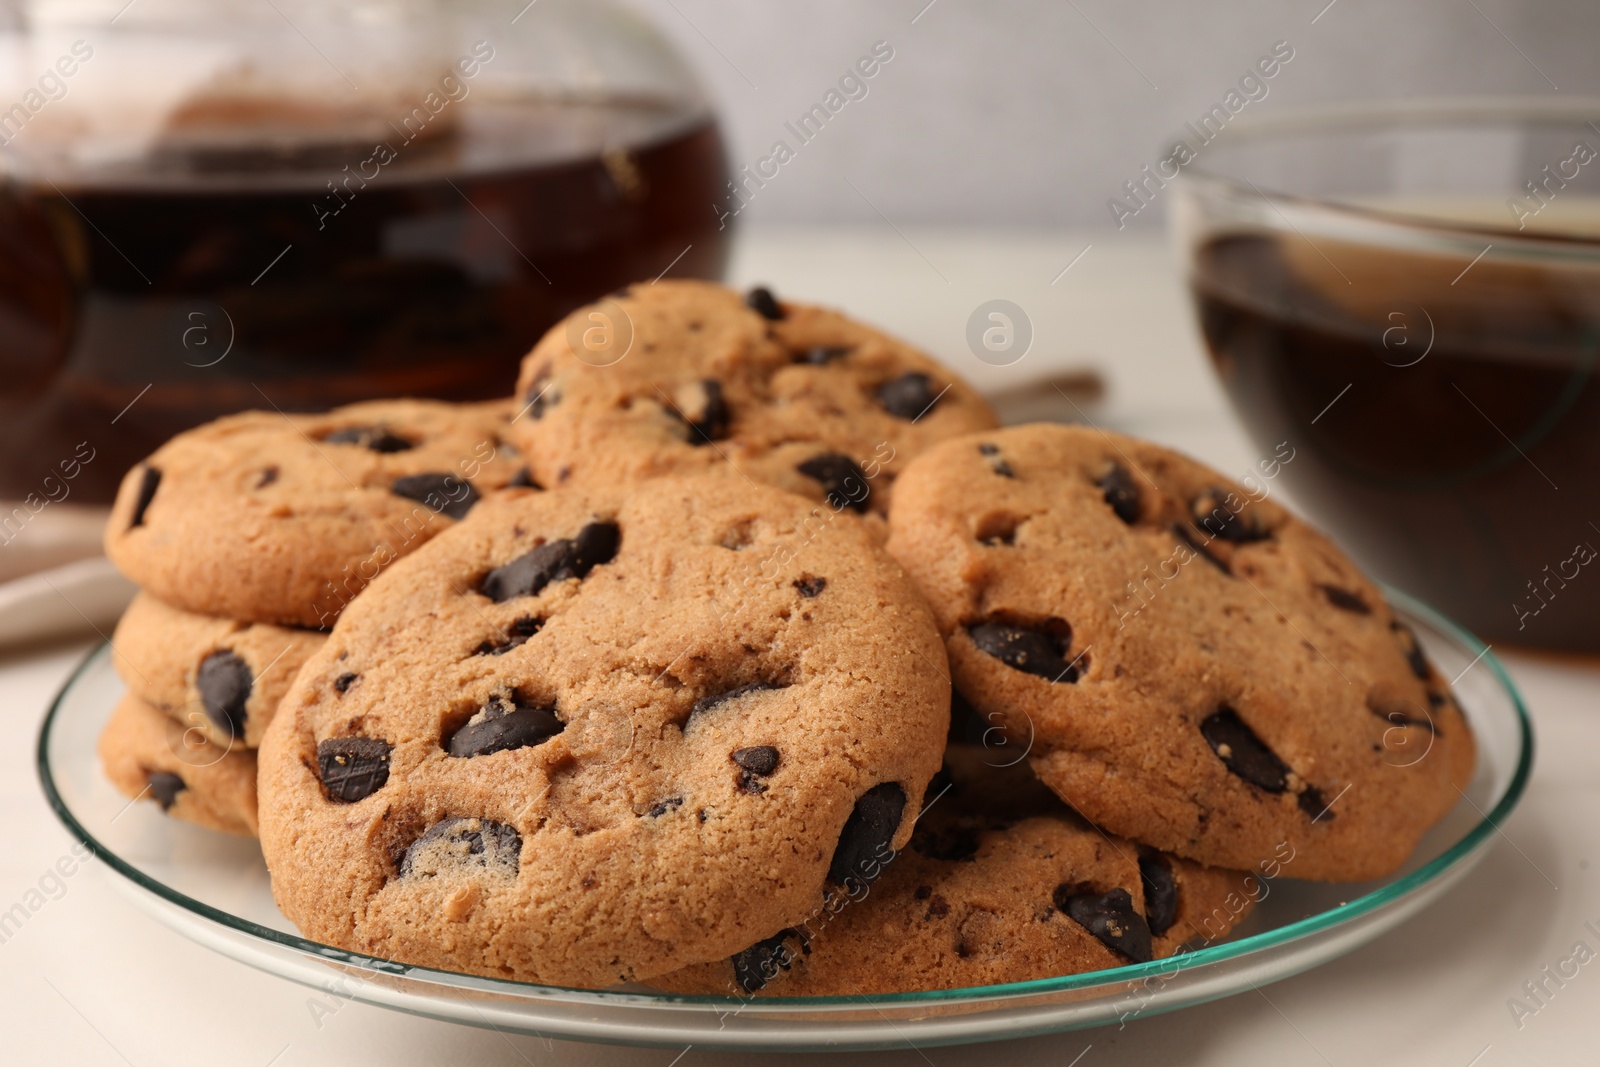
column 1033, row 112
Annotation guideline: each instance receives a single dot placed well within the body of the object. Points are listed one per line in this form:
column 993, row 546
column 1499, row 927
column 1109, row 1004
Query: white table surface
column 89, row 980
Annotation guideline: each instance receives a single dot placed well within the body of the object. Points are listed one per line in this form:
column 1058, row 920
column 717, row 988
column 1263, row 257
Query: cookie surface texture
column 684, row 376
column 1193, row 667
column 150, row 757
column 267, row 517
column 589, row 736
column 220, row 676
column 1001, row 883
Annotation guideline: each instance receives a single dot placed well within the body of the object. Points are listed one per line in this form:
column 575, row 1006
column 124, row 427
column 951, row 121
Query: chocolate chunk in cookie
column 841, row 478
column 224, row 681
column 458, row 846
column 1242, row 752
column 704, row 412
column 1200, row 545
column 909, row 396
column 539, row 397
column 755, row 763
column 822, row 355
column 513, row 636
column 1121, row 493
column 1111, row 917
column 503, row 725
column 1222, row 514
column 353, row 768
column 810, row 586
column 760, row 759
column 713, row 700
column 1033, row 650
column 376, row 438
column 1160, row 892
column 763, row 303
column 553, row 561
column 164, row 787
column 661, row 807
column 761, row 962
column 149, row 482
column 1401, row 713
column 863, row 847
column 1412, row 648
column 444, row 493
column 1345, row 600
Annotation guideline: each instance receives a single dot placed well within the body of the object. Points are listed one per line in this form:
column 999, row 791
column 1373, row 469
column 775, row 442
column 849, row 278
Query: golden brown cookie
column 1193, row 668
column 220, row 676
column 1001, row 883
column 687, row 376
column 589, row 736
column 266, row 517
column 148, row 756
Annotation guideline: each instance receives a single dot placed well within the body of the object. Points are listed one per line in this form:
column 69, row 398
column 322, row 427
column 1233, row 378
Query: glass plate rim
column 1302, row 928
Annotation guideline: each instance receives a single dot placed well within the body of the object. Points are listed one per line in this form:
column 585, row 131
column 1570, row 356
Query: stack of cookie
column 684, row 716
column 1204, row 678
column 248, row 536
column 201, row 690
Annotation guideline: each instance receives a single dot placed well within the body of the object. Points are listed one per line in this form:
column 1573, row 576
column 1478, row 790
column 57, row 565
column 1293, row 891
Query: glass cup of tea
column 211, row 205
column 1408, row 294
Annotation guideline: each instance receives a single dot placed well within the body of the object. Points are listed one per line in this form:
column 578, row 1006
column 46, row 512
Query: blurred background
column 1030, row 112
column 214, row 205
column 196, row 218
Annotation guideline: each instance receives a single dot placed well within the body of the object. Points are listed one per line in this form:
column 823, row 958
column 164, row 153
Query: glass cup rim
column 1375, row 115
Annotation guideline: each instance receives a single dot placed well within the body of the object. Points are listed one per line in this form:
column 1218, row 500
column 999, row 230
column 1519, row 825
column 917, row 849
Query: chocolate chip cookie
column 1001, row 883
column 267, row 517
column 589, row 736
column 149, row 756
column 686, row 376
column 1192, row 666
column 219, row 676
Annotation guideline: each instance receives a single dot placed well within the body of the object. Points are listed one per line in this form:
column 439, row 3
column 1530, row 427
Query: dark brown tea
column 133, row 308
column 1445, row 415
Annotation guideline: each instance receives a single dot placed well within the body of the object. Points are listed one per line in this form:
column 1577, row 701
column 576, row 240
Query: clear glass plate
column 213, row 888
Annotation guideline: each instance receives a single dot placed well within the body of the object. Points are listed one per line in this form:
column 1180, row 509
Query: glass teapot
column 212, row 205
